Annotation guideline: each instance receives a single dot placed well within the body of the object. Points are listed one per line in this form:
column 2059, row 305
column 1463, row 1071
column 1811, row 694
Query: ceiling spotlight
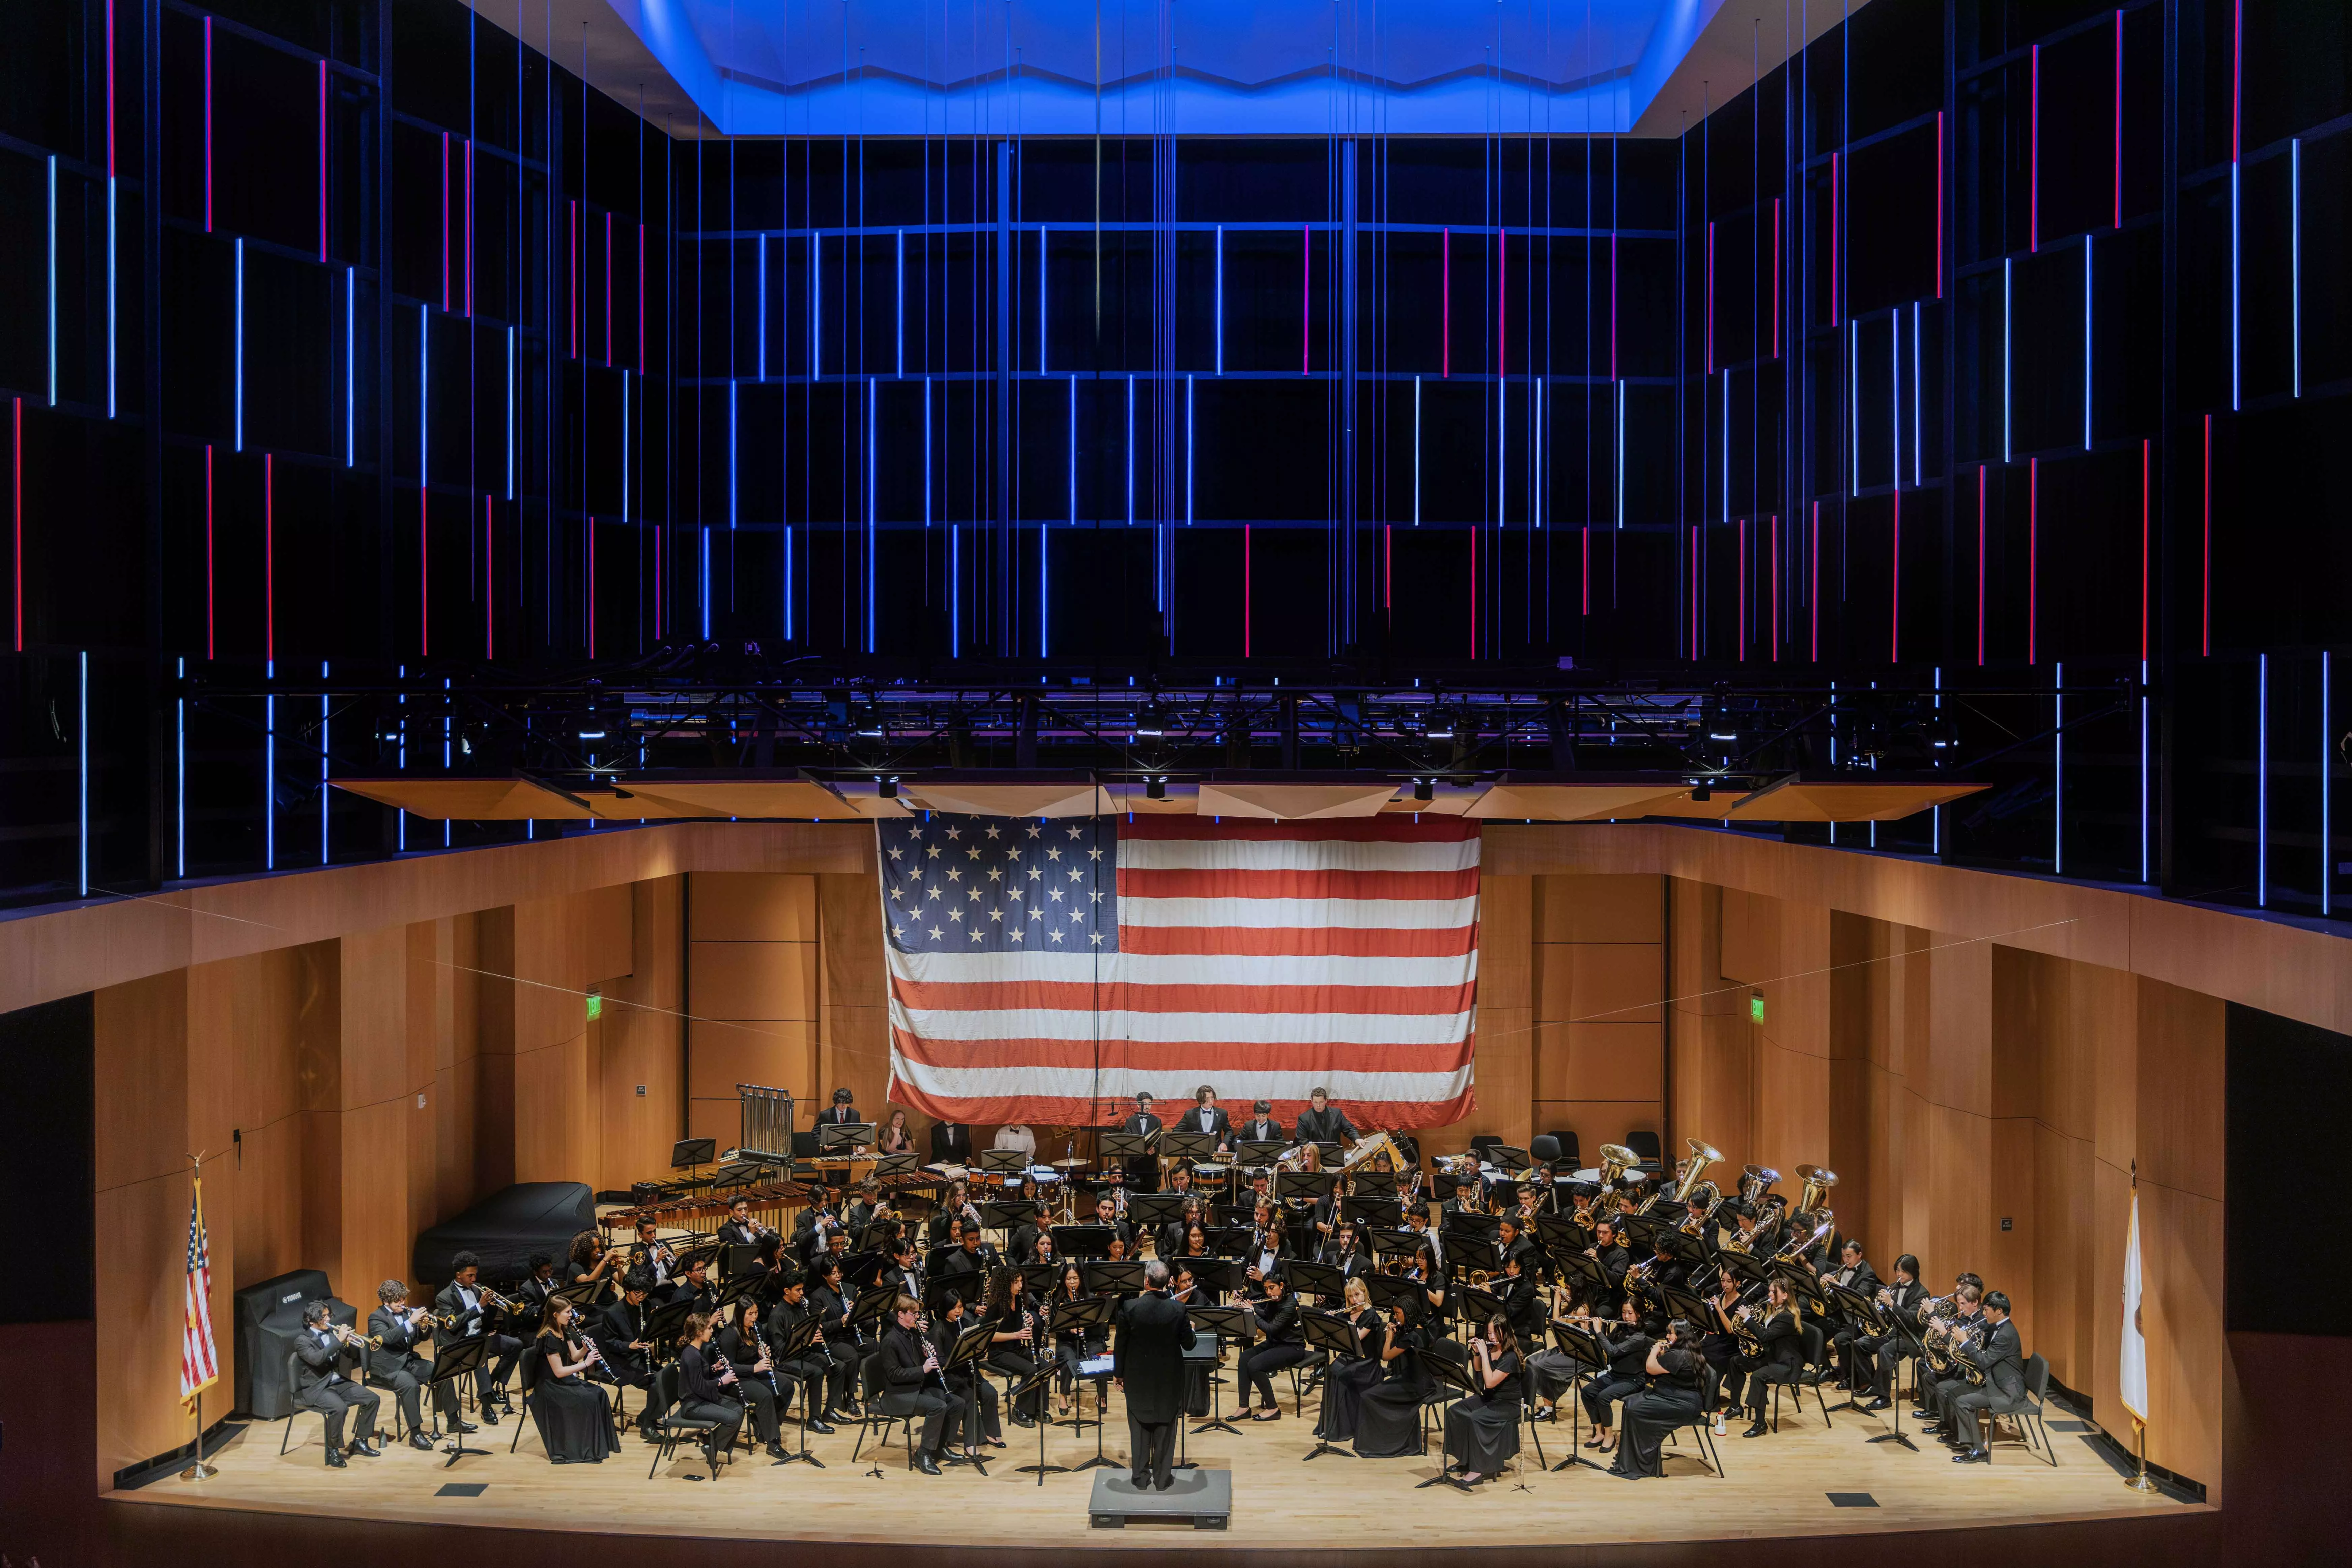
column 887, row 788
column 1701, row 791
column 1424, row 789
column 1150, row 723
column 1155, row 787
column 592, row 734
column 1441, row 725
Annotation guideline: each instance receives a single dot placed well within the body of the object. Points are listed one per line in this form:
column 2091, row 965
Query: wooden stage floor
column 1778, row 1485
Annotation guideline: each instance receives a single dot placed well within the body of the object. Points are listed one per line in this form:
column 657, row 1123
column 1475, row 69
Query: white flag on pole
column 2132, row 1385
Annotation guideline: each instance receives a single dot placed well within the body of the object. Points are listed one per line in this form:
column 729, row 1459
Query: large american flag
column 199, row 1358
column 1044, row 971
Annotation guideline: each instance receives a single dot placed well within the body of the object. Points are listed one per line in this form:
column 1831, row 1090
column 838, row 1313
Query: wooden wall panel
column 1506, row 1042
column 1572, row 907
column 1598, row 983
column 1711, row 1074
column 756, row 1001
column 1600, row 1061
column 642, row 1041
column 854, row 1032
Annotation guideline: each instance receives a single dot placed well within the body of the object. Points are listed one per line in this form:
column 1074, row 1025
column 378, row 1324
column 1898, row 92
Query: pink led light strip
column 268, row 558
column 208, row 125
column 1980, row 567
column 489, row 581
column 2033, row 155
column 209, row 646
column 444, row 222
column 1445, row 303
column 322, row 162
column 2032, row 559
column 17, row 505
column 1894, row 589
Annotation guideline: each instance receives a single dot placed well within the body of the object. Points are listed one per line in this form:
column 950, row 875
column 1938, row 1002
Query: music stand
column 1306, row 1279
column 1093, row 1313
column 841, row 1137
column 1075, row 1241
column 1459, row 1376
column 690, row 1154
column 860, row 1269
column 1005, row 1213
column 451, row 1362
column 1194, row 1146
column 1473, row 1255
column 1230, row 1240
column 1336, row 1337
column 1407, row 1298
column 1003, row 1161
column 1804, row 1285
column 1470, row 1225
column 1865, row 1318
column 1303, row 1186
column 1220, row 1276
column 1123, row 1146
column 1553, row 1231
column 1043, row 1279
column 1368, row 1211
column 1235, row 1326
column 1258, row 1152
column 664, row 1323
column 1584, row 1347
column 874, row 1303
column 1154, row 1209
column 1904, row 1333
column 797, row 1344
column 1124, row 1277
column 903, row 1164
column 972, row 1345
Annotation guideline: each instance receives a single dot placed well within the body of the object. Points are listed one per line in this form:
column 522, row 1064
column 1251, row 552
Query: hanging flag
column 1045, row 970
column 199, row 1357
column 2132, row 1383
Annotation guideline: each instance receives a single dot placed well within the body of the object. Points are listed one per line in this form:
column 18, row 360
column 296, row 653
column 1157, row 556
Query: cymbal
column 1072, row 1164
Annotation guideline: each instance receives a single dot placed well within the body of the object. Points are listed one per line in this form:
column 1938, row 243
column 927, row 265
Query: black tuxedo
column 2000, row 1354
column 744, row 1234
column 1209, row 1119
column 1875, row 1356
column 1142, row 1173
column 463, row 1322
column 396, row 1364
column 908, row 1390
column 1147, row 1356
column 1260, row 1130
column 319, row 1385
column 838, row 1116
column 1329, row 1125
column 951, row 1143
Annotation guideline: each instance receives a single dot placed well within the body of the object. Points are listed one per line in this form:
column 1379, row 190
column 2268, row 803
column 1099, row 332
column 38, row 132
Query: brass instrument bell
column 1615, row 1161
column 1755, row 1181
column 1816, row 1183
column 1702, row 1155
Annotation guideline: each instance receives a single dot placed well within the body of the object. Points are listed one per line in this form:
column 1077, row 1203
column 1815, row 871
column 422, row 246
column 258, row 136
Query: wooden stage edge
column 1777, row 1501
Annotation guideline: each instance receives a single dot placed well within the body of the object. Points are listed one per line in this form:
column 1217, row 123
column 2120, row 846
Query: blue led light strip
column 2007, row 320
column 760, row 311
column 237, row 389
column 1416, row 451
column 902, row 302
column 1221, row 306
column 110, row 279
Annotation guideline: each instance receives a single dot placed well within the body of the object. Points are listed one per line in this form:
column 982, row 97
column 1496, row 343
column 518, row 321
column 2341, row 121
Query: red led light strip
column 1980, row 567
column 2143, row 550
column 1742, row 644
column 1815, row 593
column 2034, row 154
column 2119, row 128
column 209, row 646
column 208, row 125
column 2205, row 569
column 1835, row 317
column 489, row 582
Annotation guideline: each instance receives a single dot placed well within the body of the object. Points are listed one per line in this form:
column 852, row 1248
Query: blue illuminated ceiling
column 1190, row 68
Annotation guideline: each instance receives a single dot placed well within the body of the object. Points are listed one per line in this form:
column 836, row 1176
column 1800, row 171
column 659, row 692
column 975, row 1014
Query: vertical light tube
column 702, row 572
column 1620, row 455
column 1220, row 299
column 2236, row 270
column 326, row 741
column 400, row 818
column 1936, row 817
column 1893, row 396
column 111, row 278
column 1726, row 445
column 2007, row 320
column 927, row 453
column 2294, row 255
column 208, row 174
column 1416, row 451
column 1854, row 404
column 2086, row 343
column 2058, row 773
column 236, row 406
column 1915, row 385
column 81, row 771
column 444, row 754
column 902, row 302
column 350, row 376
column 424, row 481
column 53, row 279
column 625, row 446
column 510, row 413
column 2142, row 773
column 322, row 163
column 2262, row 781
column 816, row 306
column 2033, row 151
column 1190, row 447
column 180, row 737
column 1040, row 298
column 1535, row 496
column 733, row 432
column 873, row 532
column 269, row 772
column 759, row 310
column 2326, row 837
column 1131, row 451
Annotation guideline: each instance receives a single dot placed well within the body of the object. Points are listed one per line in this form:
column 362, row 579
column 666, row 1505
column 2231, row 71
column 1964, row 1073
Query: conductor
column 1148, row 1358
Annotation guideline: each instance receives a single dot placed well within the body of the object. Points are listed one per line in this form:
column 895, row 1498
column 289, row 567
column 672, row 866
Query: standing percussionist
column 1148, row 1359
column 842, row 1113
column 1261, row 1128
column 1142, row 1172
column 1324, row 1123
column 1205, row 1117
column 399, row 1329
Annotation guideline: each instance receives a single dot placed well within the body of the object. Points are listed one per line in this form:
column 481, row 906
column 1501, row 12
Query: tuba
column 1755, row 1181
column 1615, row 1161
column 1702, row 1155
column 1705, row 1192
column 1817, row 1182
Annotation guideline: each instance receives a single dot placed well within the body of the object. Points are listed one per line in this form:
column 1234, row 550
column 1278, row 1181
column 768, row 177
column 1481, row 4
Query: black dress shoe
column 1880, row 1405
column 365, row 1449
column 420, row 1442
column 464, row 1427
column 490, row 1417
column 928, row 1465
column 335, row 1460
column 1972, row 1457
column 1021, row 1420
column 822, row 1427
column 775, row 1451
column 1756, row 1429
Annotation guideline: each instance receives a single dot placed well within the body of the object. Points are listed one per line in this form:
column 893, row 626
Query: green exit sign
column 1755, row 1008
column 596, row 1007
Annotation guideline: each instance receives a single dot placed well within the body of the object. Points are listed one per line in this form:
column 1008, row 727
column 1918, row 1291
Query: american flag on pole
column 1044, row 971
column 199, row 1358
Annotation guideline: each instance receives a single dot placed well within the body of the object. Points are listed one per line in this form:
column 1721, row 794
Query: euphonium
column 1817, row 1181
column 1615, row 1161
column 1755, row 1181
column 1709, row 1194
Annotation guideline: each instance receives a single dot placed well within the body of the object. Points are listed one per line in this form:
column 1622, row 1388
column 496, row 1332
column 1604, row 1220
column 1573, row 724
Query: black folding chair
column 673, row 1425
column 1812, row 1374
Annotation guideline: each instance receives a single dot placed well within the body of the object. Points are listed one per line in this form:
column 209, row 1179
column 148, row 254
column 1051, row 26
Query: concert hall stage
column 1798, row 1485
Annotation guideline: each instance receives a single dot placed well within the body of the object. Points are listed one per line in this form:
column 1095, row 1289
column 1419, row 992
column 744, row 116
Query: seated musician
column 1999, row 1356
column 394, row 1363
column 740, row 1344
column 1269, row 1245
column 1966, row 1323
column 911, row 1382
column 812, row 1371
column 1106, row 1216
column 1778, row 1329
column 1417, row 1220
column 949, row 1321
column 1180, row 1181
column 1278, row 1345
column 1607, row 1252
column 624, row 1333
column 1073, row 1345
column 321, row 1384
column 694, row 1285
column 590, row 1258
column 1018, row 1348
column 832, row 1299
column 652, row 1254
column 536, row 1287
column 1170, row 1239
column 1195, row 1244
column 1628, row 1349
column 865, row 1202
column 1017, row 1137
column 1346, row 1251
column 1512, row 1240
column 1552, row 1373
column 1852, row 1272
column 464, row 1311
column 894, row 1137
column 739, row 1229
column 903, row 1270
column 1876, row 1358
column 967, row 1257
column 1720, row 1342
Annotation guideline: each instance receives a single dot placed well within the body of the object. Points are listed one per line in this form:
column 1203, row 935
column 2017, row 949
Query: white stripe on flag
column 1181, row 969
column 1292, row 855
column 1244, row 1029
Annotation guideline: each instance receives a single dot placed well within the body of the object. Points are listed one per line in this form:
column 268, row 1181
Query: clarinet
column 759, row 1338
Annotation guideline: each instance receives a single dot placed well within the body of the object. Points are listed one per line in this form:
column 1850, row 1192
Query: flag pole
column 2139, row 1482
column 197, row 1469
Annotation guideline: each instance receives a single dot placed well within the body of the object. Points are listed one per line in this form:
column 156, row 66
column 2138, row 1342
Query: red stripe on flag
column 1185, row 1057
column 1277, row 941
column 1179, row 883
column 1399, row 829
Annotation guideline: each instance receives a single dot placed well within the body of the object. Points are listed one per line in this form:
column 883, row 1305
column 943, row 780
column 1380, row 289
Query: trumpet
column 355, row 1339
